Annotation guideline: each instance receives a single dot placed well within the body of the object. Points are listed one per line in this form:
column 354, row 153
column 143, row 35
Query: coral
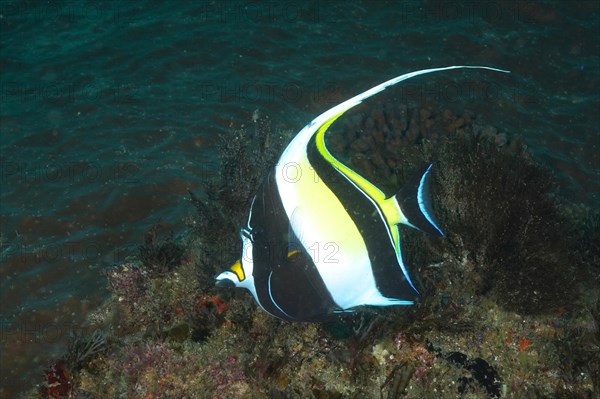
column 578, row 346
column 127, row 282
column 229, row 378
column 148, row 362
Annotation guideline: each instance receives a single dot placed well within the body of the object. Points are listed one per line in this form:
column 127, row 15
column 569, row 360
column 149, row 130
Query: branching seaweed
column 83, row 348
column 245, row 158
column 160, row 254
column 501, row 209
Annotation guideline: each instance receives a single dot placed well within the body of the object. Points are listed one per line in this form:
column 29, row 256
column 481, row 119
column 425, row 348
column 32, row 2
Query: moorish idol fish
column 320, row 239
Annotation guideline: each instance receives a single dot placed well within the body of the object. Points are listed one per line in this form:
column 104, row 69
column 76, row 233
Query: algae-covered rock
column 509, row 305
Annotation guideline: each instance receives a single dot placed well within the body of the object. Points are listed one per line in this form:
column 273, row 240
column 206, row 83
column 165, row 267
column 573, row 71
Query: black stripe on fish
column 288, row 284
column 389, row 278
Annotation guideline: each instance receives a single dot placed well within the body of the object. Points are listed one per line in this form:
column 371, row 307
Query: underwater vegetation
column 519, row 239
column 159, row 253
column 509, row 309
column 59, row 375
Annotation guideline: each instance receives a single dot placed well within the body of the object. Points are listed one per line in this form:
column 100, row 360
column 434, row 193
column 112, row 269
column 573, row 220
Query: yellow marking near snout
column 238, row 270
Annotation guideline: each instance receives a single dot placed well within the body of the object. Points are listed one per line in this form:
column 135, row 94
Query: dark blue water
column 110, row 113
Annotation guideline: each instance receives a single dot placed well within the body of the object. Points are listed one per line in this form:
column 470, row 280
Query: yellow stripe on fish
column 311, row 247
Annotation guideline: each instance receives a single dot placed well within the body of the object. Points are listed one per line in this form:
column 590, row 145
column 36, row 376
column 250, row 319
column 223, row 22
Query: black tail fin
column 415, row 202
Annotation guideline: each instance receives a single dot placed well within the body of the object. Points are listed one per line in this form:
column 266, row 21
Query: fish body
column 311, row 247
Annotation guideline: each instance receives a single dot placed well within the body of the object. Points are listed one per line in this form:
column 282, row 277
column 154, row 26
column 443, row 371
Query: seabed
column 510, row 304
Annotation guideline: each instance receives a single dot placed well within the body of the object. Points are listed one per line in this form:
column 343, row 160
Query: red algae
column 524, row 344
column 58, row 384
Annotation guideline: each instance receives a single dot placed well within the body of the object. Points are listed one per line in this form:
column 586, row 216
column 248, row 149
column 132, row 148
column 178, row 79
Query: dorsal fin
column 323, row 121
column 421, row 210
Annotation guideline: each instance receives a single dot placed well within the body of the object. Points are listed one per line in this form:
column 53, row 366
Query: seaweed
column 586, row 231
column 501, row 208
column 160, row 254
column 82, row 348
column 245, row 156
column 61, row 374
column 397, row 381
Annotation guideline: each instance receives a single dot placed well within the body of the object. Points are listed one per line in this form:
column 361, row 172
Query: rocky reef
column 510, row 305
